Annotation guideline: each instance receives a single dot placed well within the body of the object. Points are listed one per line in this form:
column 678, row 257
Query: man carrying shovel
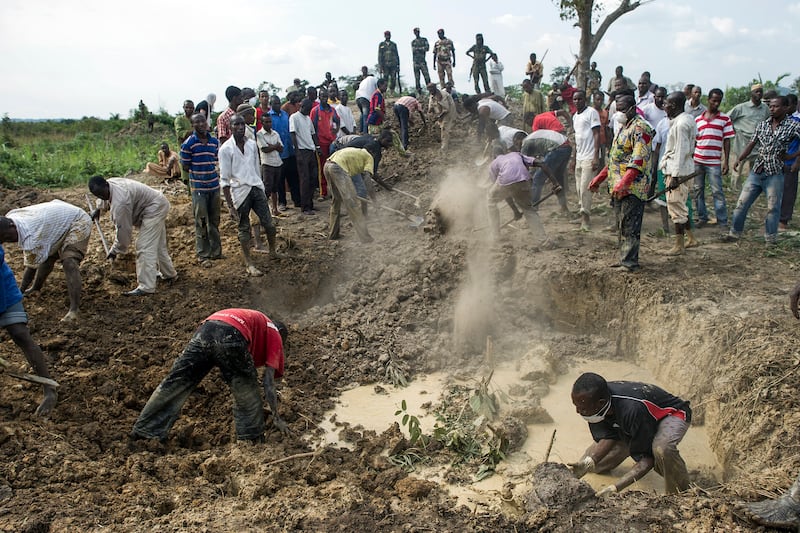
column 14, row 319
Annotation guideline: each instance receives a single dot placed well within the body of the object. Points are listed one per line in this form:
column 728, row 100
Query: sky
column 96, row 58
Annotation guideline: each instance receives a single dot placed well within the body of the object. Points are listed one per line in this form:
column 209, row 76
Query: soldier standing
column 389, row 61
column 420, row 47
column 444, row 56
column 480, row 53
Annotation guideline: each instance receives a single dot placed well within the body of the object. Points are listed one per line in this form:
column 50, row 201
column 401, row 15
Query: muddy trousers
column 206, row 209
column 256, row 202
column 288, row 177
column 344, row 192
column 629, row 212
column 668, row 461
column 556, row 162
column 520, row 192
column 214, row 344
column 152, row 255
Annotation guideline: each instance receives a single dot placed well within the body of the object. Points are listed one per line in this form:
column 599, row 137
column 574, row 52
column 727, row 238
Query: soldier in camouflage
column 480, row 54
column 444, row 57
column 389, row 62
column 420, row 47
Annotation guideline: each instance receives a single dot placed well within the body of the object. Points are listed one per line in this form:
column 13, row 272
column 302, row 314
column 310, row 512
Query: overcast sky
column 94, row 58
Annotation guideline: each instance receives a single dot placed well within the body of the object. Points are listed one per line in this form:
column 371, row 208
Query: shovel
column 416, row 221
column 484, row 158
column 417, row 200
column 518, row 213
column 26, row 377
column 97, row 225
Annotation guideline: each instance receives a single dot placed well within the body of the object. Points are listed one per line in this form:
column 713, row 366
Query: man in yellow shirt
column 341, row 168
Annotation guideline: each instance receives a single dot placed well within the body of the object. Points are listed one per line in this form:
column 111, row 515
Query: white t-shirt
column 367, row 87
column 303, row 128
column 346, row 119
column 653, row 115
column 583, row 123
column 507, row 134
column 496, row 110
column 273, row 158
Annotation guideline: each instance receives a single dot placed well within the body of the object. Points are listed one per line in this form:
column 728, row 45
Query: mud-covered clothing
column 237, row 341
column 636, row 411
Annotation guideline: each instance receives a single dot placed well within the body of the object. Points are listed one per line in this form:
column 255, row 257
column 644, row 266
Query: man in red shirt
column 237, row 341
column 234, row 96
column 326, row 123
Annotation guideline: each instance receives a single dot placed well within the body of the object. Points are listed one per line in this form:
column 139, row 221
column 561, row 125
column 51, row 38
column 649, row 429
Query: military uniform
column 443, row 49
column 481, row 54
column 389, row 63
column 420, row 47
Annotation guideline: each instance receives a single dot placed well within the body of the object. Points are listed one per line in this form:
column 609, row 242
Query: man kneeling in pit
column 636, row 419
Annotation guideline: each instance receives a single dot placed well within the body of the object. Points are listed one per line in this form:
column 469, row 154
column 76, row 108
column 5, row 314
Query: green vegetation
column 462, row 429
column 64, row 153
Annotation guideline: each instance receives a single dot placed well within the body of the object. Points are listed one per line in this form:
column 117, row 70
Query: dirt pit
column 711, row 326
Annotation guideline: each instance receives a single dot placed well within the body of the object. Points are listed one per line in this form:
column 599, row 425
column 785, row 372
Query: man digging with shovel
column 14, row 319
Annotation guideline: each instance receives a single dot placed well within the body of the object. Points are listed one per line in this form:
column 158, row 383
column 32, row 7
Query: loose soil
column 713, row 324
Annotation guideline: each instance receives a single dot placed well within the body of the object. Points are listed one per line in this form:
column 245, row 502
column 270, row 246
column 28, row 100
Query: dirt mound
column 713, row 323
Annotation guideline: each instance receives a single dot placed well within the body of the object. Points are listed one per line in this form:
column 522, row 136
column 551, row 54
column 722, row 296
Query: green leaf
column 475, row 403
column 405, row 419
column 403, row 405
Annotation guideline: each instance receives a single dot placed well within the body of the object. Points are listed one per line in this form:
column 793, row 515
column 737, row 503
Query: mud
column 713, row 324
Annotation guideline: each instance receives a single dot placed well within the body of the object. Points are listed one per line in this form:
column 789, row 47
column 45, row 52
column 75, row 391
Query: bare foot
column 253, row 271
column 49, row 401
column 72, row 316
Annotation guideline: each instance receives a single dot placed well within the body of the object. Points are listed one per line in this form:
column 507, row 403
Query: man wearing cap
column 389, row 61
column 480, row 53
column 744, row 118
column 420, row 47
column 234, row 96
column 444, row 56
column 237, row 341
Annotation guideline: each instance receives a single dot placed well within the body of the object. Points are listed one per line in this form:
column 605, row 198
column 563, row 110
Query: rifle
column 678, row 182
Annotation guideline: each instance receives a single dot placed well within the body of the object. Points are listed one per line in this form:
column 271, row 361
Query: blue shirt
column 9, row 290
column 201, row 158
column 280, row 123
column 794, row 145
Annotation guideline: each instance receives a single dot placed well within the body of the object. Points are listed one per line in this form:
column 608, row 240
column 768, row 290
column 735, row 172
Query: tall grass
column 65, row 153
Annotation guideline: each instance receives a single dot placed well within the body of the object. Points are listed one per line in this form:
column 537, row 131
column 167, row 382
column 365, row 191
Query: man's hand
column 49, row 401
column 111, row 255
column 582, row 467
column 793, row 298
column 280, row 425
column 95, row 214
column 736, row 166
column 595, row 164
column 608, row 491
column 234, row 214
column 725, row 167
column 669, row 181
column 594, row 185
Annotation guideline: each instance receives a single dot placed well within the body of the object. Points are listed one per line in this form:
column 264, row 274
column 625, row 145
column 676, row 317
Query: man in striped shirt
column 199, row 158
column 714, row 134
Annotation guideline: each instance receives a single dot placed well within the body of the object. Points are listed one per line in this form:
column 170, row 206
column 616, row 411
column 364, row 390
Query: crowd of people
column 638, row 141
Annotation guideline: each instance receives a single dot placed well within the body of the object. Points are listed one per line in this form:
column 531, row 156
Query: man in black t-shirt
column 627, row 418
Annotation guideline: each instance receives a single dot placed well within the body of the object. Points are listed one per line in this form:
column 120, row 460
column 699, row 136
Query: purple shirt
column 510, row 168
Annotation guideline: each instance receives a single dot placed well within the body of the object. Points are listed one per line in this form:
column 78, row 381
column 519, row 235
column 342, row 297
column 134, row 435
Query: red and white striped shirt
column 710, row 136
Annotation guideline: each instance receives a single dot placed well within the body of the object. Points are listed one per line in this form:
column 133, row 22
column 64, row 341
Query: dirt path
column 714, row 323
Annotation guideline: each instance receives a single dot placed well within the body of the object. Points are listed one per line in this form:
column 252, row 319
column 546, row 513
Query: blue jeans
column 714, row 175
column 213, row 344
column 556, row 162
column 755, row 184
column 206, row 208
